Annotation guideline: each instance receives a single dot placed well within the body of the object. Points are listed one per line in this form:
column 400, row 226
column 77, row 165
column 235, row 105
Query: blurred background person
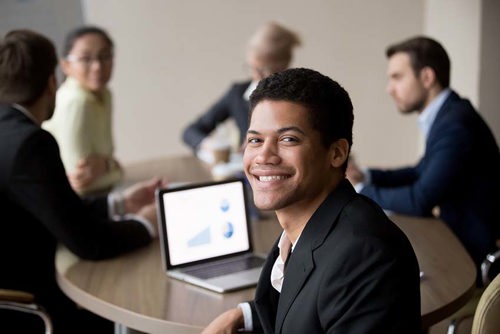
column 457, row 177
column 269, row 50
column 82, row 121
column 40, row 209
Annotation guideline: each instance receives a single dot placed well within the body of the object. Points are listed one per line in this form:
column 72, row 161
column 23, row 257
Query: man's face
column 404, row 87
column 284, row 159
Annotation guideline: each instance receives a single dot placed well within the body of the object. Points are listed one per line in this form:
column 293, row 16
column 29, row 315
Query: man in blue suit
column 459, row 175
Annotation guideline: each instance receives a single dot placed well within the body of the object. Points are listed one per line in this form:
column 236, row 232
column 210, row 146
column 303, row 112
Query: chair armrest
column 22, row 301
column 16, row 296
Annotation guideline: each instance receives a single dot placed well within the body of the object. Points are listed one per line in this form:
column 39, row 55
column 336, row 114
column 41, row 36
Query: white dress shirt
column 277, row 276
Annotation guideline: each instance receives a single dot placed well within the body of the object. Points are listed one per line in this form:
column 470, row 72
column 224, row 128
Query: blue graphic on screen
column 228, row 230
column 224, row 205
column 201, row 238
column 204, row 237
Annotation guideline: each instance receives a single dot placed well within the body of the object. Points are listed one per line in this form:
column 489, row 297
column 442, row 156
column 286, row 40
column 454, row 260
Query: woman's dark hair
column 73, row 35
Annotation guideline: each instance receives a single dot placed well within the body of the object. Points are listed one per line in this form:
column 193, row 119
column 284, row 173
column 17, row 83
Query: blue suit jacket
column 351, row 271
column 231, row 105
column 459, row 172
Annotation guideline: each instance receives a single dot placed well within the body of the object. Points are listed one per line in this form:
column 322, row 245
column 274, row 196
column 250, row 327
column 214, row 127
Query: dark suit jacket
column 352, row 271
column 39, row 209
column 231, row 105
column 459, row 172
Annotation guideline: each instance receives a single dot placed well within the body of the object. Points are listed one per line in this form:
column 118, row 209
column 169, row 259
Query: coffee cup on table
column 221, row 152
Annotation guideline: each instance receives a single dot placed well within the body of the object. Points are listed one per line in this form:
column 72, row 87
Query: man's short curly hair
column 329, row 105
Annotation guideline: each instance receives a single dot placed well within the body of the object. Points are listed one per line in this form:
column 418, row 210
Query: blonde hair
column 274, row 44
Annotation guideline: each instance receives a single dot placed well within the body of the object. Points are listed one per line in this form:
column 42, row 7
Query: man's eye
column 253, row 140
column 289, row 139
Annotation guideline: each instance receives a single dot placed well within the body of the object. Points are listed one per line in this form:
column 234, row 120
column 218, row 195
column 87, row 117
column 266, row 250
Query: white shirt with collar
column 250, row 89
column 277, row 276
column 428, row 115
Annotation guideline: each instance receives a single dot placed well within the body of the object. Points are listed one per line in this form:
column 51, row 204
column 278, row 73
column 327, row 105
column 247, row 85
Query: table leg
column 122, row 329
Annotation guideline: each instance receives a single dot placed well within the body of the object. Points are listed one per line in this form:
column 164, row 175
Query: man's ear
column 427, row 77
column 339, row 152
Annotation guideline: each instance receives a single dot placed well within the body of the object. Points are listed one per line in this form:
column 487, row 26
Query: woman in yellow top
column 82, row 120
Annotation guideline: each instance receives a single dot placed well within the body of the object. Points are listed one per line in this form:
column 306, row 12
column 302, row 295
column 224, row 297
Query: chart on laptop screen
column 205, row 222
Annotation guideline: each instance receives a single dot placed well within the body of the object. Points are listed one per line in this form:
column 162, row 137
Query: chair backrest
column 487, row 315
column 24, row 302
column 490, row 267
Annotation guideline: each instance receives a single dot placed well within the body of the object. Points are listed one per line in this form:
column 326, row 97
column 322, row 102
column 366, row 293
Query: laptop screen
column 203, row 221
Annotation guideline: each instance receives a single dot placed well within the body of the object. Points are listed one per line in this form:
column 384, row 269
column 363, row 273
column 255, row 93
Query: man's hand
column 149, row 213
column 227, row 323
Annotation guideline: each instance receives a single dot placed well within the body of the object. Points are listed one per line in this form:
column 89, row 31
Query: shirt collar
column 284, row 239
column 25, row 112
column 428, row 115
column 250, row 89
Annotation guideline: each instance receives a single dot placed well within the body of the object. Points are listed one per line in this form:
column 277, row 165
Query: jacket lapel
column 301, row 263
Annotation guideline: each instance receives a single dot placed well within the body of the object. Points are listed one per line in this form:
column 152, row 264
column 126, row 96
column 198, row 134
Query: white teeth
column 271, row 178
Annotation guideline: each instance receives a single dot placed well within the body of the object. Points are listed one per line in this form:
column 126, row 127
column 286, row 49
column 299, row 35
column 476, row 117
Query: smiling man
column 340, row 265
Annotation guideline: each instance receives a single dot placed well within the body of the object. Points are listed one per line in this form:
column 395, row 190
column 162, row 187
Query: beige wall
column 53, row 18
column 489, row 84
column 174, row 58
column 470, row 34
column 461, row 37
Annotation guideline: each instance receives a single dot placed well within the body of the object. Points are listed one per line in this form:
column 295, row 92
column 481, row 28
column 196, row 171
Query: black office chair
column 21, row 301
column 468, row 311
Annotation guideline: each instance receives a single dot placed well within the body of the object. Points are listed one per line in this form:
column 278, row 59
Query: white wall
column 174, row 58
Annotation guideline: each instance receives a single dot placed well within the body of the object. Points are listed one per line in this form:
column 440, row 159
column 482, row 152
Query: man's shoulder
column 15, row 126
column 456, row 107
column 458, row 115
column 364, row 210
column 15, row 134
column 366, row 219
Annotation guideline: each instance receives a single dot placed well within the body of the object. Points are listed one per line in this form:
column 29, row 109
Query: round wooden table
column 133, row 289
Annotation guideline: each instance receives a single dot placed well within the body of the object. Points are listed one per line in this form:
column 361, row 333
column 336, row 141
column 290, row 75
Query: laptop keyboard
column 225, row 268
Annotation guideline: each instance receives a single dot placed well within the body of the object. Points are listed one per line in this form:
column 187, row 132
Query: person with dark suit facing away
column 340, row 265
column 39, row 208
column 458, row 176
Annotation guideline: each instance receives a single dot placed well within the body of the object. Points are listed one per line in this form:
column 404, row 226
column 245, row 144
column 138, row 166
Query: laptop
column 205, row 235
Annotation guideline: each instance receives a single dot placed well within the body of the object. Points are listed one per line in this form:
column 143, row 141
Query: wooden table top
column 133, row 289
